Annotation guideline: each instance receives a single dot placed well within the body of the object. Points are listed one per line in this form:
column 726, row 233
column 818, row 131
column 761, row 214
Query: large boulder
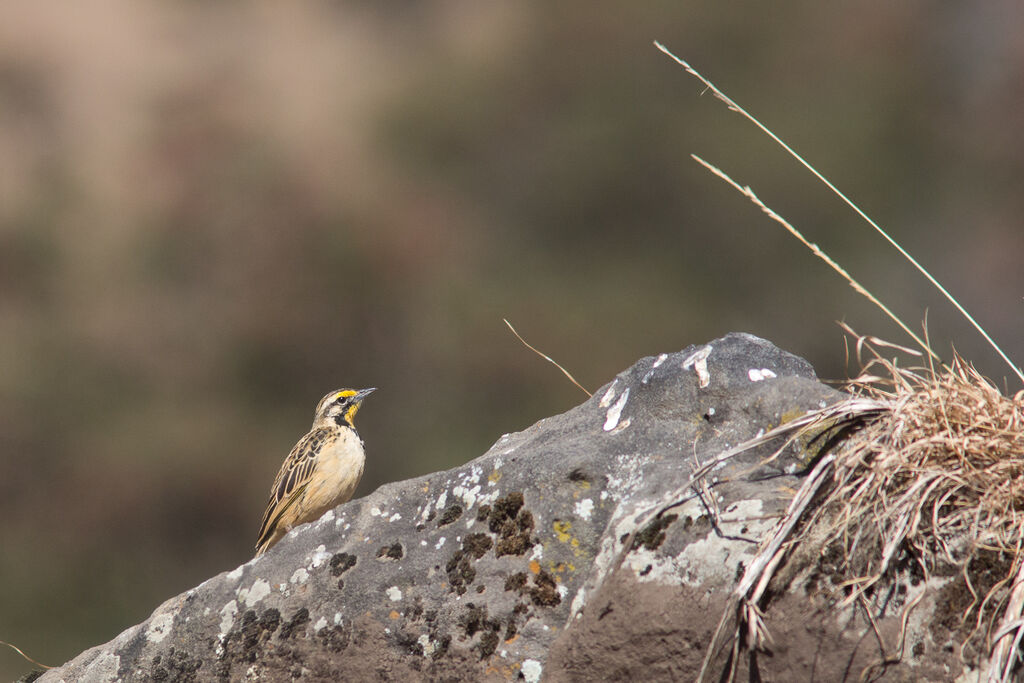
column 540, row 558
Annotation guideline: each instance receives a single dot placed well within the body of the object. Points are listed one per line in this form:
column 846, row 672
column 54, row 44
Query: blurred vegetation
column 213, row 213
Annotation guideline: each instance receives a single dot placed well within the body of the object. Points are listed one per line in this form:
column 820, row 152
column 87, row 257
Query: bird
column 321, row 471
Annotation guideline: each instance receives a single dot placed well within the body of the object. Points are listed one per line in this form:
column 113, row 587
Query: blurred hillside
column 213, row 213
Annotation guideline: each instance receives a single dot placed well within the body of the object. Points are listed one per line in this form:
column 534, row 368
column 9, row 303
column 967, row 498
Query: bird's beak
column 363, row 393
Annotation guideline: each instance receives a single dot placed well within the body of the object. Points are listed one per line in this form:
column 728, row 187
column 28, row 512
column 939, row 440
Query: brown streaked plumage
column 321, row 471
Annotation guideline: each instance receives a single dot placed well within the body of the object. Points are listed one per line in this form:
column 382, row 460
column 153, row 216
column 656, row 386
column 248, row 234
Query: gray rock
column 527, row 561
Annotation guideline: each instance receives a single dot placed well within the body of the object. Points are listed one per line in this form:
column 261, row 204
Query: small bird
column 321, row 471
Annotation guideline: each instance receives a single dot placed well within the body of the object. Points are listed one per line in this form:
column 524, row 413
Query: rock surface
column 515, row 565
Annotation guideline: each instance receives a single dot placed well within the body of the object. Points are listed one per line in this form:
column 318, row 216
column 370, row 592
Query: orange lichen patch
column 394, row 614
column 535, row 566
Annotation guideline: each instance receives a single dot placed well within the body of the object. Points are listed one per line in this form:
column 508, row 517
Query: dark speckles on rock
column 512, row 523
column 441, row 647
column 409, row 643
column 483, row 513
column 578, row 475
column 545, row 590
column 270, row 620
column 476, row 620
column 460, row 571
column 460, row 565
column 653, row 535
column 175, row 666
column 488, row 643
column 341, row 563
column 297, row 622
column 244, row 644
column 473, row 620
column 477, row 544
column 450, row 514
column 334, row 638
column 391, row 552
column 515, row 582
column 505, row 509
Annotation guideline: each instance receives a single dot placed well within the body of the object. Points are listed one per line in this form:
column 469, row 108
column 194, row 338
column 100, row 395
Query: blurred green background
column 213, row 213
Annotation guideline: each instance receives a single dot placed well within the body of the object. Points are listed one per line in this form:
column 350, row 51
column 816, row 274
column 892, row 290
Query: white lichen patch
column 654, row 366
column 584, row 508
column 428, row 647
column 756, row 375
column 227, row 616
column 159, row 627
column 621, row 426
column 627, row 476
column 320, row 624
column 611, row 419
column 467, row 495
column 319, row 556
column 394, row 593
column 326, row 517
column 252, row 595
column 395, row 517
column 531, row 670
column 714, row 559
column 375, row 511
column 298, row 576
column 440, row 542
column 236, row 573
column 609, row 395
column 698, row 360
column 578, row 601
column 102, row 669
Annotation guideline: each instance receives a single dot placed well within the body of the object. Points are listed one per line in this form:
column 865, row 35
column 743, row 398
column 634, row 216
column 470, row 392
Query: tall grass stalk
column 731, row 104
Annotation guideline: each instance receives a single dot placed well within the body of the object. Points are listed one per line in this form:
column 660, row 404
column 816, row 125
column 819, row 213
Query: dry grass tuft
column 939, row 472
column 929, row 475
column 936, row 478
column 930, row 471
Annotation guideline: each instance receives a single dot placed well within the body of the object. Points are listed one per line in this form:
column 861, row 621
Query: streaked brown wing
column 291, row 479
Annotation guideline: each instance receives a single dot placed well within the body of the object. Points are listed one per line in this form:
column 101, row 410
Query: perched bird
column 321, row 471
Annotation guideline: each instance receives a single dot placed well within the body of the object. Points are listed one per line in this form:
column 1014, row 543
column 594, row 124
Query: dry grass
column 944, row 461
column 936, row 478
column 931, row 476
column 931, row 473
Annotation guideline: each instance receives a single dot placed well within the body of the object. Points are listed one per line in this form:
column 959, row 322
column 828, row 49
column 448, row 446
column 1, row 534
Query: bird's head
column 340, row 406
